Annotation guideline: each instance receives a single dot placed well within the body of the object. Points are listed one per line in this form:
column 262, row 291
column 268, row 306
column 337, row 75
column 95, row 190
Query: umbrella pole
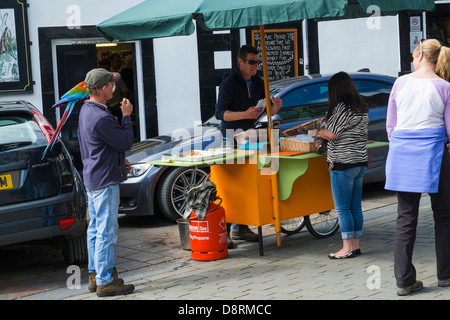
column 266, row 77
column 274, row 180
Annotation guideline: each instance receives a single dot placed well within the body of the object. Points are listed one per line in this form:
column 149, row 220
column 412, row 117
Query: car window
column 376, row 94
column 312, row 94
column 305, row 103
column 17, row 131
column 311, row 101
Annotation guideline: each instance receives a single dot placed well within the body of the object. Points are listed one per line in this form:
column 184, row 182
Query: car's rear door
column 25, row 178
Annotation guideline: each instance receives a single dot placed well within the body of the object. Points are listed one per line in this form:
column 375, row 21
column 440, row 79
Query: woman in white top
column 418, row 127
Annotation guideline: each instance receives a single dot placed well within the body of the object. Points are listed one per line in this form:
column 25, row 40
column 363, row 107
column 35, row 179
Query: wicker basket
column 303, row 128
column 289, row 144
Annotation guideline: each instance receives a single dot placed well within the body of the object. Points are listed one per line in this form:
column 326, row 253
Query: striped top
column 349, row 148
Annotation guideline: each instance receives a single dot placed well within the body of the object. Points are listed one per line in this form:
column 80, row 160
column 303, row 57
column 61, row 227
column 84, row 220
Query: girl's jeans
column 346, row 186
column 102, row 231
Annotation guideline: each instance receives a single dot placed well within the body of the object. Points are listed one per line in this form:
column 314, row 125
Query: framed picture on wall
column 15, row 67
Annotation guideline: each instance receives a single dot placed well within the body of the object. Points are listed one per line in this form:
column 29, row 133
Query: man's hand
column 252, row 112
column 277, row 104
column 126, row 107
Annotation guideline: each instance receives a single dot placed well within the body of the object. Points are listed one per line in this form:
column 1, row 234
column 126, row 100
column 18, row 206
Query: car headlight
column 138, row 169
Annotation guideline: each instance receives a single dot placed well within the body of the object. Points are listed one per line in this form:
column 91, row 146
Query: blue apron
column 414, row 160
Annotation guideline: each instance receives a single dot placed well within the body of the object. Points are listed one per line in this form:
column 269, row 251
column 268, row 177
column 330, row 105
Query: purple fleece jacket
column 103, row 143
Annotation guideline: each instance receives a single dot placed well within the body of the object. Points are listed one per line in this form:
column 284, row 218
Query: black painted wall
column 210, row 78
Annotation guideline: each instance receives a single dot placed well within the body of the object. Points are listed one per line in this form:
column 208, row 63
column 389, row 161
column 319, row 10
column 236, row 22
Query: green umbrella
column 165, row 18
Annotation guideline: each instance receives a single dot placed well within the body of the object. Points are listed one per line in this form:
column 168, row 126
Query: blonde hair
column 436, row 54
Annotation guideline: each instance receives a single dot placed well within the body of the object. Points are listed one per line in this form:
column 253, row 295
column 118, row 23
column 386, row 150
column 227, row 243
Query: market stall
column 294, row 187
column 245, row 180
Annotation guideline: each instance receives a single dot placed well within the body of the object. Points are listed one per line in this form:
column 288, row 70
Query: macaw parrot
column 69, row 99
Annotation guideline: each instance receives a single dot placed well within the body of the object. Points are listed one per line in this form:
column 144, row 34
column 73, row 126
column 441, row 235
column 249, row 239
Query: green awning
column 165, row 18
column 397, row 5
column 229, row 14
column 152, row 19
column 365, row 8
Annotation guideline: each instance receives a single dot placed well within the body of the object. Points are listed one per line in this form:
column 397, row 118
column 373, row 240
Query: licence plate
column 6, row 182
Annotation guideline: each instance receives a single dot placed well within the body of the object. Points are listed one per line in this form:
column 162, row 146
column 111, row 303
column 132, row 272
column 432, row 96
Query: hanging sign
column 281, row 51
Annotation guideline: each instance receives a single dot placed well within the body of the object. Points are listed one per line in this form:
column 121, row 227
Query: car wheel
column 74, row 250
column 173, row 188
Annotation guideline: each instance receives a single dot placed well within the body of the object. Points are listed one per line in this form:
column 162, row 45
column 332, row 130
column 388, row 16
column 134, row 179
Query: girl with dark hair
column 346, row 130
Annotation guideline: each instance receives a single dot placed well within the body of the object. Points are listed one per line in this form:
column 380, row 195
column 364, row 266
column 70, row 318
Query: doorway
column 72, row 60
column 119, row 57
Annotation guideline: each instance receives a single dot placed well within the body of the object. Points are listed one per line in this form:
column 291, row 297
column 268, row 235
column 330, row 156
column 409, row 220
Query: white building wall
column 350, row 45
column 177, row 82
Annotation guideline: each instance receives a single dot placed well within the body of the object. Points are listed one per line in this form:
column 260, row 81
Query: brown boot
column 114, row 288
column 92, row 286
column 230, row 243
column 244, row 234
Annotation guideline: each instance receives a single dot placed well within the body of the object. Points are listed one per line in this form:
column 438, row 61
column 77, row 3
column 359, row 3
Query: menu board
column 281, row 51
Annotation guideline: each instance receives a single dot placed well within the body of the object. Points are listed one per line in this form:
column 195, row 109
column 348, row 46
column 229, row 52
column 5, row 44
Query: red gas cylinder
column 208, row 237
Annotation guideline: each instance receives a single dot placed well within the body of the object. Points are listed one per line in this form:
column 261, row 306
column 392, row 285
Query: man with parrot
column 103, row 142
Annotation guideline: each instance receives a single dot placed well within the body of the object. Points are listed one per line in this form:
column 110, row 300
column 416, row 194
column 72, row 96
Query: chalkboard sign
column 281, row 51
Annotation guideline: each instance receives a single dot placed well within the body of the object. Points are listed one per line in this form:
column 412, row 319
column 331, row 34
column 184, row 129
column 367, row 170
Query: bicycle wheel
column 292, row 226
column 323, row 224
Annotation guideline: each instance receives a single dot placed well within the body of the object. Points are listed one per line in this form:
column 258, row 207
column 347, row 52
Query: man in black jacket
column 236, row 107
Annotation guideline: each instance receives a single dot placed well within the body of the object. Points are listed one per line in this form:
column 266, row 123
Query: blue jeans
column 102, row 231
column 346, row 186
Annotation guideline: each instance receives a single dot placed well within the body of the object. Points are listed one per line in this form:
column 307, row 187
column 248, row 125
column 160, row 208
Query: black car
column 153, row 188
column 40, row 198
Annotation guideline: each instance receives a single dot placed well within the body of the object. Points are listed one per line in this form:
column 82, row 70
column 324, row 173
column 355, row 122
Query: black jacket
column 235, row 95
